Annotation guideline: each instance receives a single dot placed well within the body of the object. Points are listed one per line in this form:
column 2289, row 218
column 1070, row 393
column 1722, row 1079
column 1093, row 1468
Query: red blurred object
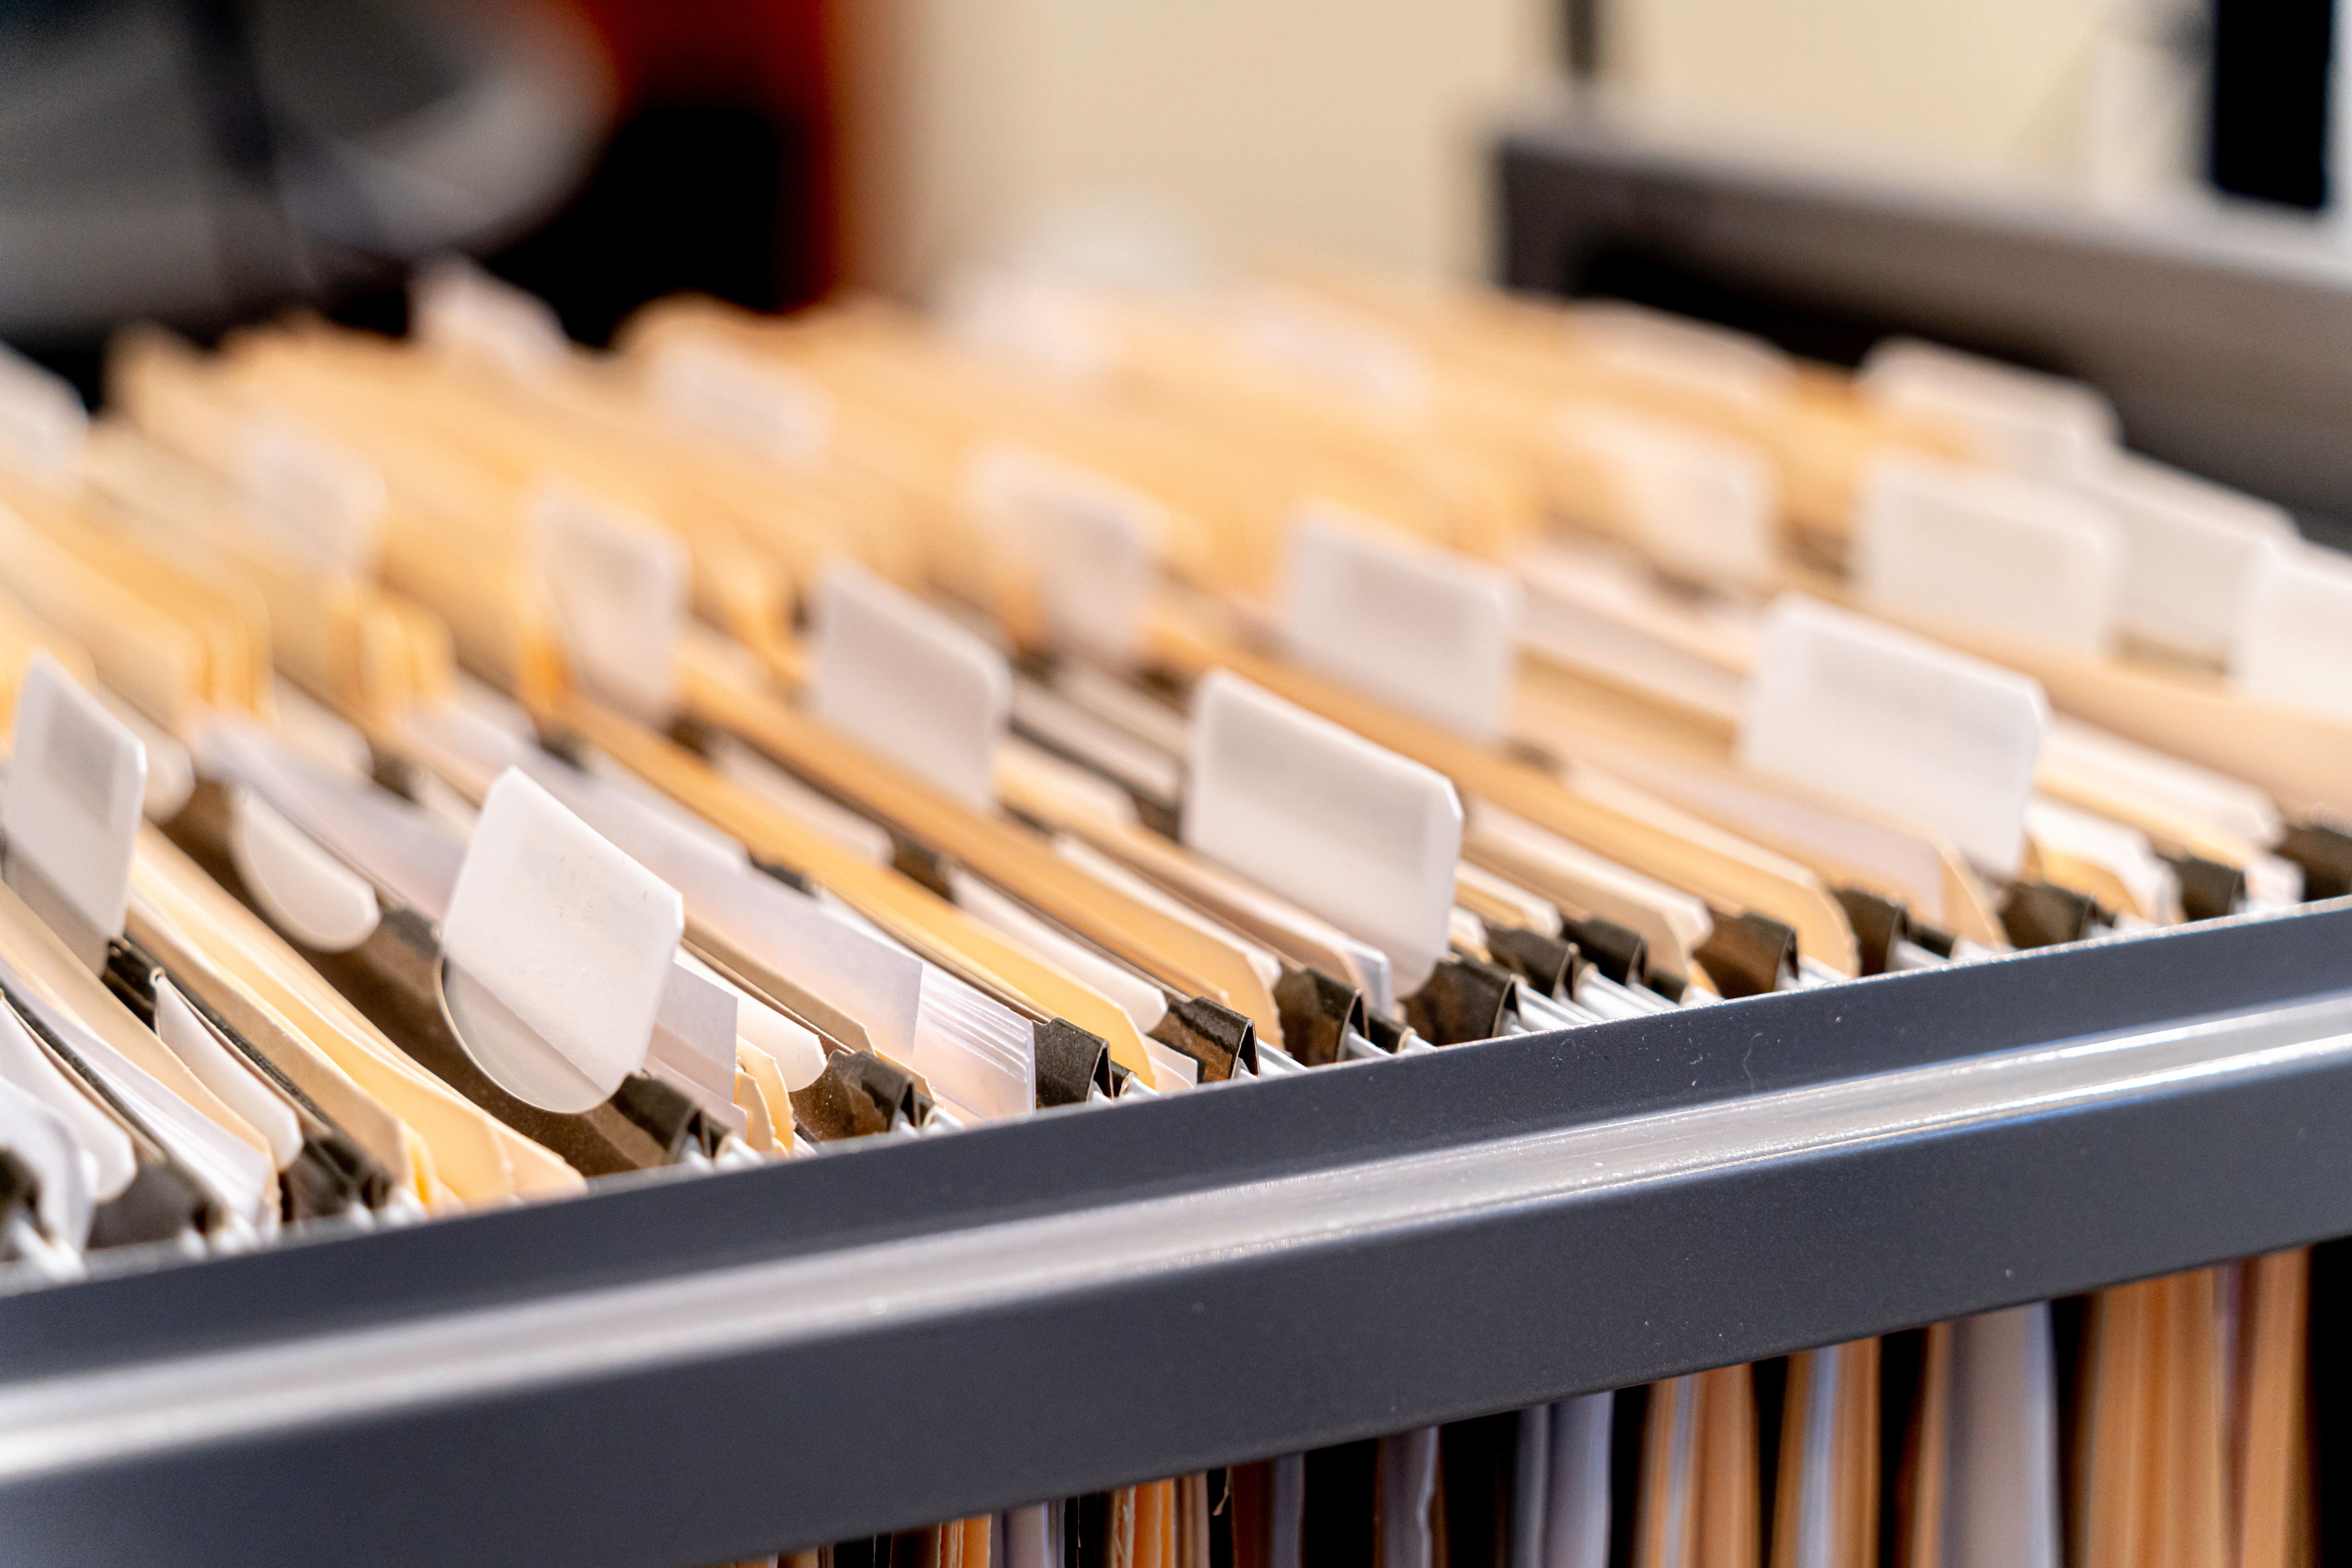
column 774, row 56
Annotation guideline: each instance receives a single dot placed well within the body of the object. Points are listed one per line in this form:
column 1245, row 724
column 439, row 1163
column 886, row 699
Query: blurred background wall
column 209, row 161
column 1353, row 128
column 1350, row 127
column 2096, row 91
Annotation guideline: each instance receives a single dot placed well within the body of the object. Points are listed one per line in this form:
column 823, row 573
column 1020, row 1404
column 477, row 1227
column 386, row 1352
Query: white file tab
column 1676, row 351
column 1332, row 346
column 39, row 1136
column 43, row 426
column 619, row 584
column 1355, row 834
column 1703, row 506
column 298, row 882
column 1986, row 552
column 907, row 683
column 455, row 305
column 778, row 413
column 1029, row 323
column 1874, row 715
column 2293, row 642
column 77, row 779
column 1430, row 631
column 321, row 500
column 693, row 1042
column 2024, row 421
column 1091, row 542
column 2189, row 546
column 558, row 949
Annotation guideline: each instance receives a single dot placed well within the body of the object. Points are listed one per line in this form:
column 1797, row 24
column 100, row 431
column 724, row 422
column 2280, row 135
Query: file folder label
column 2293, row 642
column 774, row 413
column 1429, row 630
column 1332, row 346
column 1988, row 552
column 2045, row 425
column 1705, row 506
column 187, row 1037
column 43, row 426
column 1040, row 326
column 1867, row 713
column 456, row 306
column 77, row 779
column 325, row 503
column 1353, row 833
column 1090, row 542
column 559, row 948
column 909, row 684
column 618, row 585
column 307, row 892
column 1715, row 361
column 693, row 1041
column 2190, row 544
column 95, row 1131
column 39, row 1136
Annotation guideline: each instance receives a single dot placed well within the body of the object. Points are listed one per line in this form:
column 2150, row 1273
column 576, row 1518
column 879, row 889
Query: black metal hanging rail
column 687, row 1371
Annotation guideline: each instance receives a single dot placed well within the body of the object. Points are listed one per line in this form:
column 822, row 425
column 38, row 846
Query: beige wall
column 1350, row 127
column 1346, row 127
column 2085, row 92
column 1980, row 83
